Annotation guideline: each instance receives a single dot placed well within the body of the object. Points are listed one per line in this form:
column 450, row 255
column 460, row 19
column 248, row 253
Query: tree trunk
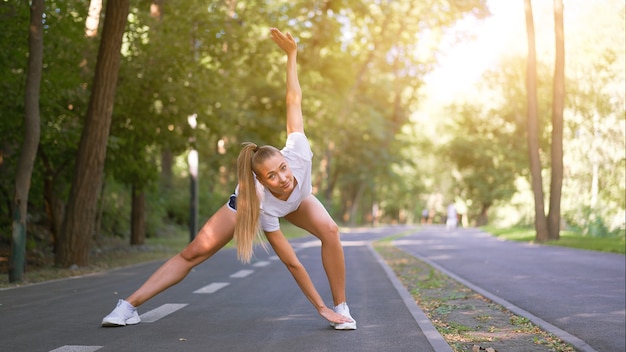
column 558, row 102
column 138, row 217
column 54, row 209
column 356, row 201
column 533, row 128
column 78, row 226
column 55, row 206
column 31, row 141
column 483, row 217
column 99, row 209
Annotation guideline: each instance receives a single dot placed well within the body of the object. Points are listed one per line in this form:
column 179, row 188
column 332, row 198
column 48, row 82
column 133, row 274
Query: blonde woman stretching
column 272, row 183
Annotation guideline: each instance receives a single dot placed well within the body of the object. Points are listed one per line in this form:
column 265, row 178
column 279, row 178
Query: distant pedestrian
column 424, row 216
column 452, row 218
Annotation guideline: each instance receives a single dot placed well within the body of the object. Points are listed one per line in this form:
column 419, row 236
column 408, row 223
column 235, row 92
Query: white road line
column 262, row 263
column 76, row 348
column 161, row 312
column 309, row 244
column 211, row 288
column 242, row 273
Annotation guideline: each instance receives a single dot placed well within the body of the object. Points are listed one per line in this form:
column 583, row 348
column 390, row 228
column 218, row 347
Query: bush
column 589, row 222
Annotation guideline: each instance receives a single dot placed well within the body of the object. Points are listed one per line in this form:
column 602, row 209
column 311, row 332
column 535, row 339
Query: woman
column 272, row 183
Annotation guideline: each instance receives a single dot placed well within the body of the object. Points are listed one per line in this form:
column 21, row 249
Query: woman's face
column 275, row 174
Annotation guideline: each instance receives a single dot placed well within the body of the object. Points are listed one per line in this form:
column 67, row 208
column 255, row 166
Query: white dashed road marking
column 242, row 273
column 160, row 312
column 169, row 308
column 73, row 348
column 211, row 288
column 261, row 263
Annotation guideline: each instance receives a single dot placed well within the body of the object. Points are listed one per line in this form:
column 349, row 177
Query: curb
column 433, row 336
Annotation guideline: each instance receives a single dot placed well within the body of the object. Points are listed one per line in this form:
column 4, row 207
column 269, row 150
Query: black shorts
column 232, row 202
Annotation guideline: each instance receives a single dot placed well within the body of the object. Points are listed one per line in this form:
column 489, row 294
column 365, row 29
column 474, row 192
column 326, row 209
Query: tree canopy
column 380, row 153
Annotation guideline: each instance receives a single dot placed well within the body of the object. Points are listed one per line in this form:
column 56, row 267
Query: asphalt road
column 227, row 306
column 221, row 306
column 578, row 295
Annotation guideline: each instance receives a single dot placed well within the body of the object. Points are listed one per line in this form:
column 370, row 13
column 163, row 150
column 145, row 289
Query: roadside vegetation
column 465, row 319
column 611, row 242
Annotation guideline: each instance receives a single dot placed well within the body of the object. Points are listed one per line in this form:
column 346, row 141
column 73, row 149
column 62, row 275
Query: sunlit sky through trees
column 502, row 34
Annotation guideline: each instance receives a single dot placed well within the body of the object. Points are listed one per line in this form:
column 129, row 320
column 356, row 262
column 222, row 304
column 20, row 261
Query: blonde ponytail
column 247, row 226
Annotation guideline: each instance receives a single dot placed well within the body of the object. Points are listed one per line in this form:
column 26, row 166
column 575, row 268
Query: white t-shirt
column 298, row 154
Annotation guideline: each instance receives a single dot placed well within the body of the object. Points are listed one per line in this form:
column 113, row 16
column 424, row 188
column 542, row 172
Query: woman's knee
column 333, row 228
column 214, row 235
column 194, row 253
column 329, row 231
column 200, row 249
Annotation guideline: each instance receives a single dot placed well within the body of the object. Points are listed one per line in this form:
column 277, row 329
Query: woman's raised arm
column 286, row 42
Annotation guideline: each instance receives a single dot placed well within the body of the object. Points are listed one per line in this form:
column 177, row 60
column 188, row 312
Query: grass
column 615, row 244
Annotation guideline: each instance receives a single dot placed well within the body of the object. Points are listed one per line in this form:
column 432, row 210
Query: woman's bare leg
column 313, row 217
column 214, row 235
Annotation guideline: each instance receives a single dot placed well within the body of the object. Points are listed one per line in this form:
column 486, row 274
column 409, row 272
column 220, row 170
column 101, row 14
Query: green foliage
column 175, row 204
column 487, row 145
column 12, row 84
column 364, row 82
column 590, row 222
column 116, row 205
column 361, row 65
column 13, row 63
column 488, row 148
column 166, row 206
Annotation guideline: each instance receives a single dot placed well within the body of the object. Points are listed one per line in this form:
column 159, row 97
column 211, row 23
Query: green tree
column 548, row 228
column 31, row 141
column 78, row 225
column 558, row 102
column 541, row 225
column 15, row 19
column 485, row 152
column 595, row 139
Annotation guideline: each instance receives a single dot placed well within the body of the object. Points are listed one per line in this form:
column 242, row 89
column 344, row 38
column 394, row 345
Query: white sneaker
column 123, row 314
column 342, row 308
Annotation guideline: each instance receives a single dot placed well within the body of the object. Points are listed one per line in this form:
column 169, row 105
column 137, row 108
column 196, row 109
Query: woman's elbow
column 294, row 267
column 294, row 99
